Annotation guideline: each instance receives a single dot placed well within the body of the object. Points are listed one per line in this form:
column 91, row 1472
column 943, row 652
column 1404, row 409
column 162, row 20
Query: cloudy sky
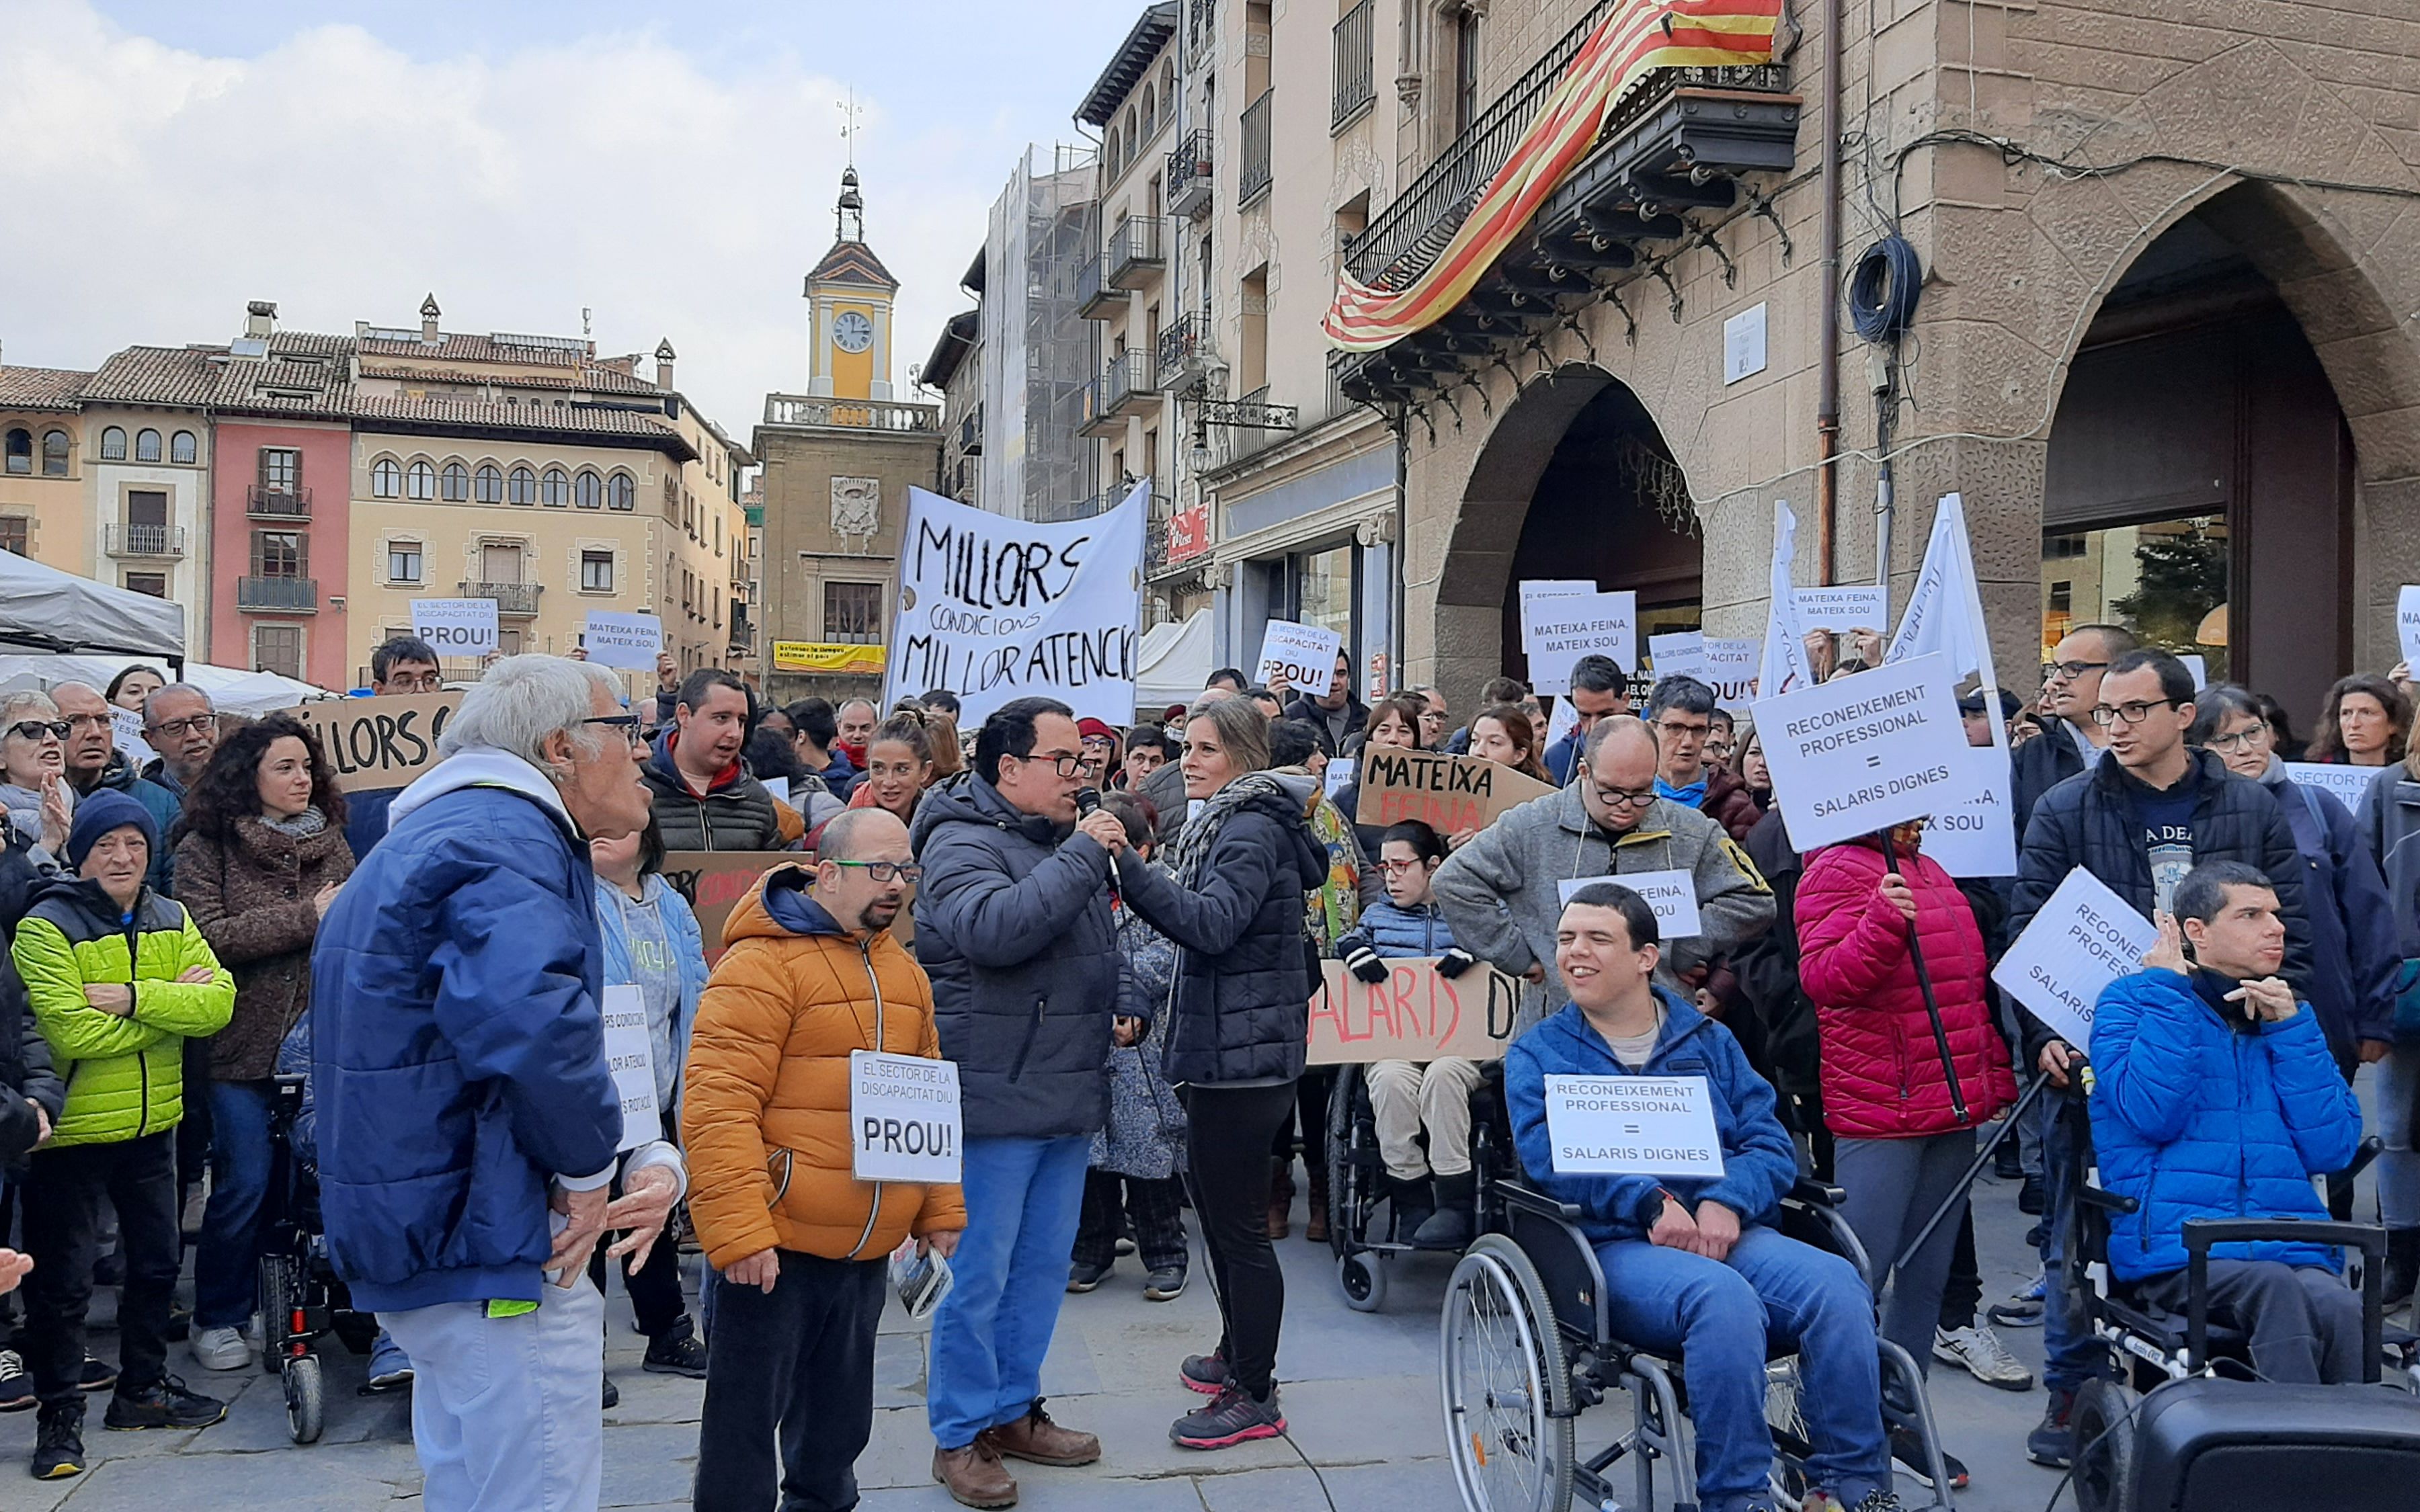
column 671, row 168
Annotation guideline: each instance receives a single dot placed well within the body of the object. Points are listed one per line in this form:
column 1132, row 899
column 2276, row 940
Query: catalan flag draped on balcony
column 1636, row 37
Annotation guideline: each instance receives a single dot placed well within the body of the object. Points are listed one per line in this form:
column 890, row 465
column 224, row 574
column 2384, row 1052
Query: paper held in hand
column 2407, row 624
column 903, row 1124
column 1842, row 610
column 456, row 627
column 628, row 642
column 1562, row 629
column 1674, row 896
column 1305, row 653
column 1633, row 1126
column 1862, row 753
column 2084, row 938
column 631, row 1058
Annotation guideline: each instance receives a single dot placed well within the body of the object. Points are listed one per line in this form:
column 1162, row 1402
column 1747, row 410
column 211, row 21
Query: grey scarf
column 302, row 826
column 1191, row 850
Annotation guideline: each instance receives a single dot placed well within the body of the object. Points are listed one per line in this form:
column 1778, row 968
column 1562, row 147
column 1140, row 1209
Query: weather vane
column 849, row 114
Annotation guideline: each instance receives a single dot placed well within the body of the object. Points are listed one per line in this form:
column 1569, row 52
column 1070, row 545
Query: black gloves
column 1363, row 963
column 1454, row 963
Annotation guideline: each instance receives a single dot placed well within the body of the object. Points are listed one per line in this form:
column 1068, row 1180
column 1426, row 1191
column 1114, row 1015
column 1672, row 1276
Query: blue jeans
column 1718, row 1315
column 989, row 1335
column 2070, row 1355
column 228, row 1258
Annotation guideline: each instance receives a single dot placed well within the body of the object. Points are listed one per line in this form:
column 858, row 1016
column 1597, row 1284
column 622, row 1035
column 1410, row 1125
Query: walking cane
column 1931, row 1004
column 1974, row 1168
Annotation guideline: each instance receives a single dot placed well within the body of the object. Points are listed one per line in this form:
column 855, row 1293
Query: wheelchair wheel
column 1363, row 1276
column 1507, row 1385
column 279, row 1292
column 1785, row 1415
column 1349, row 1181
column 2104, row 1421
column 305, row 1404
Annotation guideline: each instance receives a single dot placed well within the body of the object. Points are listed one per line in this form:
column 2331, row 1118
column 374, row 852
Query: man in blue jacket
column 1600, row 689
column 1699, row 1264
column 467, row 1122
column 2217, row 1097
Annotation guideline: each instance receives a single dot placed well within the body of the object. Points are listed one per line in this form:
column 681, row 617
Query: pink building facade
column 280, row 506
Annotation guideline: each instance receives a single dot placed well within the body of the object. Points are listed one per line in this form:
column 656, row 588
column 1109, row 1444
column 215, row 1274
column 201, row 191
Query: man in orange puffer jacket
column 798, row 1241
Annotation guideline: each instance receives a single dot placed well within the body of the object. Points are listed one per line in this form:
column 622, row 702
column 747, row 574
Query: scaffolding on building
column 1037, row 351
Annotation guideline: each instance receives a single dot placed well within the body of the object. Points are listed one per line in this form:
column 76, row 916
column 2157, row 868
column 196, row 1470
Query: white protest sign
column 1633, row 1126
column 2084, row 938
column 2407, row 624
column 1303, row 654
column 994, row 608
column 1536, row 590
column 1677, row 653
column 1976, row 837
column 1672, row 894
column 630, row 1056
column 1861, row 753
column 2195, row 665
column 778, row 788
column 1856, row 607
column 1561, row 720
column 456, row 627
column 1976, row 834
column 1339, row 776
column 628, row 641
column 1731, row 672
column 1581, row 624
column 126, row 729
column 903, row 1117
column 2349, row 784
column 1783, row 666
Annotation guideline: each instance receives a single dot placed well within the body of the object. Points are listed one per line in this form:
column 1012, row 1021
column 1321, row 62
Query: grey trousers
column 2305, row 1321
column 1893, row 1186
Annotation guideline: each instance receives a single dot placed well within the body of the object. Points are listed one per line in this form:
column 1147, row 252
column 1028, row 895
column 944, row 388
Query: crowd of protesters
column 1116, row 933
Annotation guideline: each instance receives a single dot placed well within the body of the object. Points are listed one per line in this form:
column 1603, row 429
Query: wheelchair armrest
column 2107, row 1201
column 2367, row 1150
column 1519, row 1195
column 1816, row 1194
column 2201, row 1233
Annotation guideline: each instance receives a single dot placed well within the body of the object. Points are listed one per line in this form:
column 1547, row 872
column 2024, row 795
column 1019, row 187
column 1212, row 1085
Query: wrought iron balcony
column 1253, row 176
column 162, row 541
column 1356, row 73
column 1188, row 178
column 264, row 500
column 1136, row 253
column 513, row 600
column 1125, row 387
column 851, row 414
column 971, row 432
column 1184, row 355
column 278, row 596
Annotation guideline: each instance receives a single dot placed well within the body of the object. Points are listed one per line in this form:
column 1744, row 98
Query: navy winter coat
column 2354, row 955
column 2195, row 1117
column 1390, row 931
column 459, row 1054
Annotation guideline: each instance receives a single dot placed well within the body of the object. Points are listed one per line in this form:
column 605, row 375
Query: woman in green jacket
column 119, row 977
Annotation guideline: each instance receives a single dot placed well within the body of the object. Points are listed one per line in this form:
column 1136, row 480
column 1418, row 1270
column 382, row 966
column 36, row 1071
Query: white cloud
column 150, row 192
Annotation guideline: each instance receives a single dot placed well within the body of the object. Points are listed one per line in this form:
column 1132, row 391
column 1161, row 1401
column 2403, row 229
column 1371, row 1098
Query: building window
column 596, row 572
column 621, row 492
column 488, row 484
column 146, row 510
column 509, row 640
column 455, row 483
column 524, row 486
column 386, row 479
column 183, row 448
column 277, row 648
column 21, row 451
column 14, row 529
column 54, row 453
column 853, row 612
column 281, row 469
column 403, row 561
column 278, row 554
column 147, row 445
column 588, row 491
column 113, row 445
column 1465, row 71
column 420, row 481
column 557, row 488
column 153, row 583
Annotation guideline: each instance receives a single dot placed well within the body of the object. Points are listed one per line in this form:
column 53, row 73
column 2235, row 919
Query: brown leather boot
column 1035, row 1439
column 1314, row 1225
column 975, row 1475
column 1280, row 1196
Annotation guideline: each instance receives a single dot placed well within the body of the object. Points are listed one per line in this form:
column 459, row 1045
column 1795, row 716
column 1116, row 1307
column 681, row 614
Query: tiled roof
column 590, row 378
column 39, row 387
column 1151, row 33
column 454, row 346
column 156, row 374
column 425, row 416
column 852, row 262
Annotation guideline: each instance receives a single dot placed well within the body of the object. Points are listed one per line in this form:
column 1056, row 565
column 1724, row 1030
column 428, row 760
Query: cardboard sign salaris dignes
column 1414, row 1014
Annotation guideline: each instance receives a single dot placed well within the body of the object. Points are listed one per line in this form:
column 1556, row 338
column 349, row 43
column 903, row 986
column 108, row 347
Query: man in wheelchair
column 1699, row 1267
column 2217, row 1097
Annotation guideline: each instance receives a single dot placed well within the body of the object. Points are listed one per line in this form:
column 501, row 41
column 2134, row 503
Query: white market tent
column 232, row 691
column 1174, row 661
column 42, row 608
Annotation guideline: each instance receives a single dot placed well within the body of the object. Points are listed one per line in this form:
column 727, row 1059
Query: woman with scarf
column 1232, row 901
column 33, row 761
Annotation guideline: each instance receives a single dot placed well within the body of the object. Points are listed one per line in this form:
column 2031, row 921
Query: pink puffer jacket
column 1881, row 1069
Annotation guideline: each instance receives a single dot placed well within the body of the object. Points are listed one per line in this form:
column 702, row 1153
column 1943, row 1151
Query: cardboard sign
column 2407, row 624
column 2084, row 938
column 904, row 1122
column 379, row 742
column 630, row 643
column 1581, row 624
column 2349, row 784
column 1303, row 654
column 1414, row 1014
column 1842, row 609
column 1448, row 794
column 1672, row 894
column 456, row 627
column 1858, row 754
column 715, row 881
column 1633, row 1126
column 631, row 1058
column 125, row 730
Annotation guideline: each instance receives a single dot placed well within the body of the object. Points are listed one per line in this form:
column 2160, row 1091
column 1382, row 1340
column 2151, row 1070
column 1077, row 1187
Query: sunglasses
column 36, row 729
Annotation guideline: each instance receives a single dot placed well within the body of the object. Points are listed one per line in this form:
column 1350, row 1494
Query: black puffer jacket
column 24, row 1055
column 1243, row 976
column 1012, row 924
column 733, row 815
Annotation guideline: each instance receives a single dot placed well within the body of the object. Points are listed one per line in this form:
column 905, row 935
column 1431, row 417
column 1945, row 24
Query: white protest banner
column 1339, row 776
column 1861, row 753
column 995, row 607
column 903, row 1119
column 1731, row 672
column 126, row 731
column 1303, row 655
column 2407, row 624
column 628, row 641
column 1581, row 624
column 1678, row 654
column 2084, row 938
column 1975, row 836
column 2349, row 784
column 631, row 1058
column 1782, row 667
column 1633, row 1126
column 456, row 627
column 1672, row 894
column 1843, row 607
column 2195, row 665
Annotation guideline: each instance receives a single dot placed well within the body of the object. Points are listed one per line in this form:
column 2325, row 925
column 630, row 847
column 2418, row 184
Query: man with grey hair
column 459, row 1064
column 94, row 764
column 181, row 723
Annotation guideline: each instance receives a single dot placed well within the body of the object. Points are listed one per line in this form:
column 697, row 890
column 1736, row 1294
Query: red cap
column 1095, row 729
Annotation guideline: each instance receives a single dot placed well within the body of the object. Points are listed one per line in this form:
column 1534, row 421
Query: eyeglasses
column 2134, row 711
column 1396, row 869
column 1616, row 797
column 1064, row 765
column 2260, row 734
column 627, row 723
column 200, row 724
column 2070, row 671
column 1683, row 731
column 428, row 682
column 88, row 721
column 885, row 871
column 36, row 729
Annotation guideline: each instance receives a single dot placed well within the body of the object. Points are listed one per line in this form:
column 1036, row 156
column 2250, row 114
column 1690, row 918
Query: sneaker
column 221, row 1348
column 1232, row 1418
column 2029, row 1197
column 2024, row 1309
column 390, row 1367
column 1085, row 1277
column 1204, row 1373
column 676, row 1352
column 58, row 1445
column 16, row 1382
column 1908, row 1450
column 1123, row 1248
column 1166, row 1284
column 610, row 1396
column 2053, row 1440
column 1881, row 1499
column 1979, row 1349
column 96, row 1375
column 165, row 1405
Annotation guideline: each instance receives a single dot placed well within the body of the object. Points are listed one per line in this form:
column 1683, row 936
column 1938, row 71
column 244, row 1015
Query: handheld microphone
column 1088, row 803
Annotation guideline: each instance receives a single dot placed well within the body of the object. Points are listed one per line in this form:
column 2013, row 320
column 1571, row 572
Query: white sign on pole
column 1731, row 672
column 2407, row 624
column 456, row 627
column 1581, row 624
column 2349, row 784
column 1534, row 590
column 1561, row 720
column 2084, row 938
column 630, row 1056
column 1678, row 654
column 631, row 642
column 1672, row 894
column 1783, row 666
column 1303, row 654
column 994, row 608
column 126, row 733
column 1976, row 836
column 1855, row 607
column 1633, row 1126
column 1858, row 754
column 903, row 1117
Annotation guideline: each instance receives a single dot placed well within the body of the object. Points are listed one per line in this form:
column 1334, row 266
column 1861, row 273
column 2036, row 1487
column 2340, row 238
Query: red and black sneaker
column 1232, row 1418
column 1204, row 1373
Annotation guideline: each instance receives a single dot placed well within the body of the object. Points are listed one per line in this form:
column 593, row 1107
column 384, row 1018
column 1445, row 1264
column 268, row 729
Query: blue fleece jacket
column 1760, row 1165
column 1393, row 931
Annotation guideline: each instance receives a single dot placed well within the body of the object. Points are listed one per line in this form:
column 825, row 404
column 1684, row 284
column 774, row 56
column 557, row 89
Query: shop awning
column 1174, row 661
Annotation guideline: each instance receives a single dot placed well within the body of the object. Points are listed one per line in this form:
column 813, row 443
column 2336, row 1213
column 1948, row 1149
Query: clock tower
column 849, row 296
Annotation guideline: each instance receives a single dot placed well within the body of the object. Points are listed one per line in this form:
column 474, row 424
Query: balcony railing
column 1126, row 386
column 1356, row 74
column 1185, row 352
column 274, row 502
column 1187, row 177
column 147, row 541
column 971, row 432
column 851, row 414
column 278, row 596
column 518, row 600
column 1101, row 503
column 1137, row 252
column 1252, row 171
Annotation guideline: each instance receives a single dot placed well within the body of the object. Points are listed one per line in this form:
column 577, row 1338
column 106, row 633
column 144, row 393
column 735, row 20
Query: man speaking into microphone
column 1014, row 925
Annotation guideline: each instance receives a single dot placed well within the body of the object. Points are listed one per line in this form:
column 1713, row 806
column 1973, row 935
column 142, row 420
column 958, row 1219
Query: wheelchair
column 1356, row 1180
column 300, row 1295
column 2185, row 1424
column 1526, row 1348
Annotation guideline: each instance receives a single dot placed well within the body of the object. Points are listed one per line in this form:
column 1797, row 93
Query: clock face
column 852, row 331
